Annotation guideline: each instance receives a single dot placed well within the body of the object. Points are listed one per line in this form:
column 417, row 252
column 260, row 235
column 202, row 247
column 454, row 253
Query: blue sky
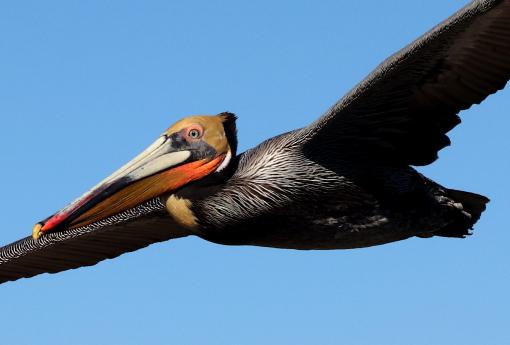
column 85, row 85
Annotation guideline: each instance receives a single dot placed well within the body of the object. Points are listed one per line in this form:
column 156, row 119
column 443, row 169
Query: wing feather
column 85, row 246
column 402, row 111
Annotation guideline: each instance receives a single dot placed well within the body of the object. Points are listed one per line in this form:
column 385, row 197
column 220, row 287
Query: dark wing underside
column 402, row 111
column 85, row 246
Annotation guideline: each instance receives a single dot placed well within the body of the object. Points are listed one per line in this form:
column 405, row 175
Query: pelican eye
column 194, row 133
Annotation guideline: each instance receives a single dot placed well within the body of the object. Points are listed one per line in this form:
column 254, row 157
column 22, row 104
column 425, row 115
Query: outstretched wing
column 402, row 111
column 85, row 246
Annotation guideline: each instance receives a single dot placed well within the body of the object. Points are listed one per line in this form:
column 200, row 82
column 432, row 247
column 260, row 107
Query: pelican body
column 345, row 181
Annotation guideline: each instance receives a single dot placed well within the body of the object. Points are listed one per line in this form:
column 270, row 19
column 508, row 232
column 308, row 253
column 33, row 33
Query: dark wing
column 86, row 246
column 402, row 111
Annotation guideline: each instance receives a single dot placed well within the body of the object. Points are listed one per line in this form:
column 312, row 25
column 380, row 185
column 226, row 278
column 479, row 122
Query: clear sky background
column 86, row 85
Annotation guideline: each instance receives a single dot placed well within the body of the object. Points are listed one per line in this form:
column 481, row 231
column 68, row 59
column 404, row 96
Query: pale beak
column 163, row 167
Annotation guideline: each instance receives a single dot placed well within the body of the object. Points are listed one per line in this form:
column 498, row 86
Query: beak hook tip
column 36, row 231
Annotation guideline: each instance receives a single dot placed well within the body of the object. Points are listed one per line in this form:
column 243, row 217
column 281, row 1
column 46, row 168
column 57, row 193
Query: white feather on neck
column 225, row 162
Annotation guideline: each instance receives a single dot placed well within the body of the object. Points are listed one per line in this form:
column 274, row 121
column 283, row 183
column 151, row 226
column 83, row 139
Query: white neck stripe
column 225, row 162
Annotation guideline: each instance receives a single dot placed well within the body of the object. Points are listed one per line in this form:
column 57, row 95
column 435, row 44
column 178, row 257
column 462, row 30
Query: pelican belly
column 331, row 227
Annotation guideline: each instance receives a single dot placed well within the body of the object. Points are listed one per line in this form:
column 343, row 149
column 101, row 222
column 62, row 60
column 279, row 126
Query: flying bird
column 344, row 181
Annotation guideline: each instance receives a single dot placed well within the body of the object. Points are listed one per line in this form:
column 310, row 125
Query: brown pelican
column 344, row 181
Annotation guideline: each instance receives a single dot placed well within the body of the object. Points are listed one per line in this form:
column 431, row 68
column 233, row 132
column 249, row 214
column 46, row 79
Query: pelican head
column 189, row 150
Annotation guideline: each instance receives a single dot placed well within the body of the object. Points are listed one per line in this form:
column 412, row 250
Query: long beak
column 160, row 169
